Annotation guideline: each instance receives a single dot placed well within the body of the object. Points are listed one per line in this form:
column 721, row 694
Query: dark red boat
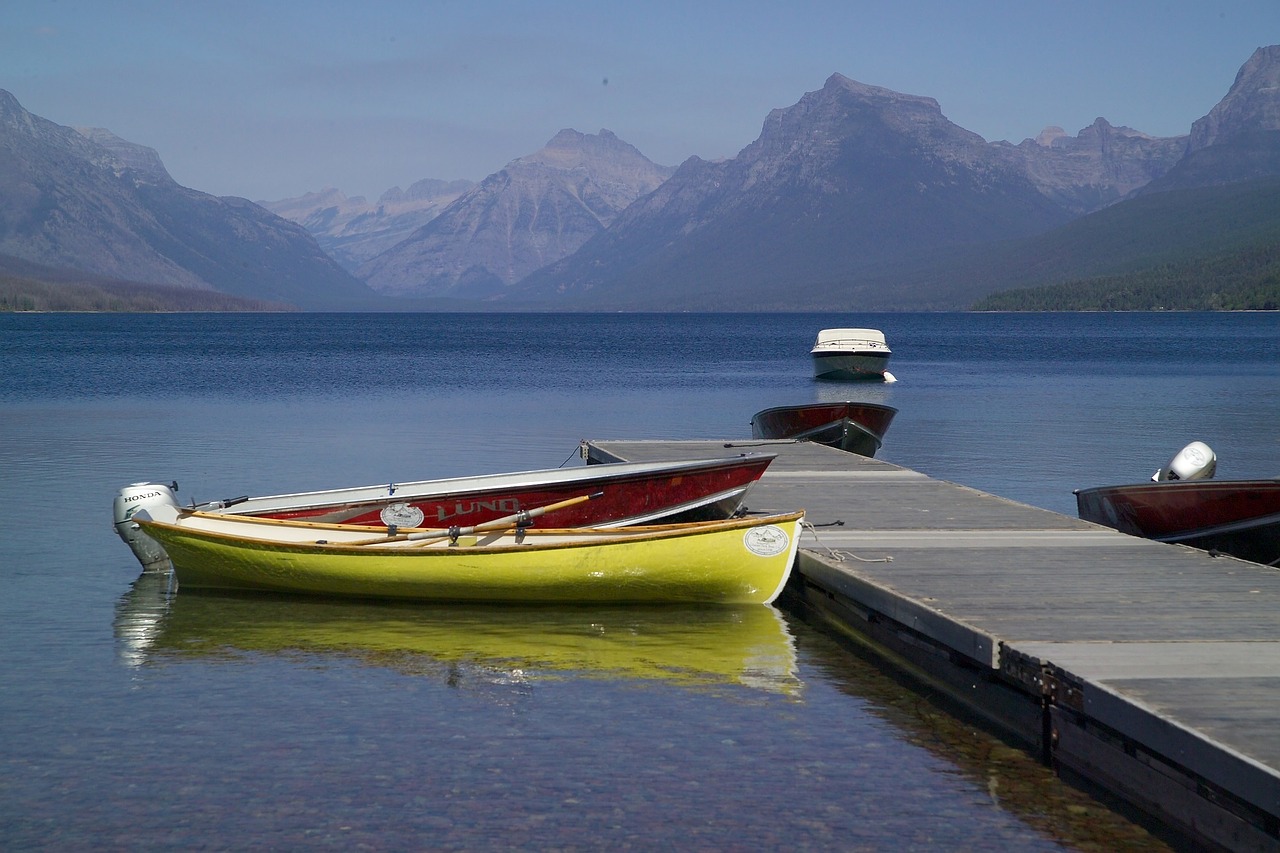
column 624, row 493
column 855, row 427
column 1236, row 517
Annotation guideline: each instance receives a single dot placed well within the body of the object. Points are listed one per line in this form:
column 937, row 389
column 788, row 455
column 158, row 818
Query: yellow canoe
column 732, row 561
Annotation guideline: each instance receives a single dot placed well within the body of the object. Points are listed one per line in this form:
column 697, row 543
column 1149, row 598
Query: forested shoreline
column 1244, row 280
column 19, row 293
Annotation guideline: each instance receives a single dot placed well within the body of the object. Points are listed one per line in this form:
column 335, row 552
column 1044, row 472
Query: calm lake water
column 134, row 716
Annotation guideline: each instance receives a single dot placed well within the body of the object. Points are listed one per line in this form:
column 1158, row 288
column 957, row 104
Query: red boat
column 1236, row 517
column 623, row 493
column 855, row 427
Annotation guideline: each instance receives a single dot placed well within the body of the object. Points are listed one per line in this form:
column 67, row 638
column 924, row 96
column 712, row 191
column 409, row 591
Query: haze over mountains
column 536, row 210
column 353, row 231
column 92, row 202
column 854, row 198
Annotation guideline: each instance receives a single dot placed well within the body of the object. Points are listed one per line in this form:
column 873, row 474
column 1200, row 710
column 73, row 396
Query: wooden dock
column 1151, row 670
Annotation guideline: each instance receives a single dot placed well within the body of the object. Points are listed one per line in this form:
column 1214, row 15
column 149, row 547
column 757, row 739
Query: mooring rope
column 580, row 450
column 841, row 556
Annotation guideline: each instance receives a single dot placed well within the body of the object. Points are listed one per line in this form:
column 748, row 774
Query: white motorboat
column 851, row 354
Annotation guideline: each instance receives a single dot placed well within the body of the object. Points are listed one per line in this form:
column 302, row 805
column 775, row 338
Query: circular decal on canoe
column 766, row 541
column 401, row 515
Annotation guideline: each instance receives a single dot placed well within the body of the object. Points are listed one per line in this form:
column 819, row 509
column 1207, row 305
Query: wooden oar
column 518, row 519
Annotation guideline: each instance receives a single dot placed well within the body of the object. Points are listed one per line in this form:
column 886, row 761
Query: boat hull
column 850, row 366
column 855, row 427
column 734, row 561
column 1236, row 517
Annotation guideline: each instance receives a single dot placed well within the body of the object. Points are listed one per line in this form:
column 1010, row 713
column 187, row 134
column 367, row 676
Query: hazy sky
column 273, row 98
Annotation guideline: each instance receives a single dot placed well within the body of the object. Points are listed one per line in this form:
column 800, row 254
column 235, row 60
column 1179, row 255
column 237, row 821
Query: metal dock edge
column 1149, row 670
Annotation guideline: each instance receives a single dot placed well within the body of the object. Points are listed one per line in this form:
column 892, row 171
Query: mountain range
column 536, row 210
column 88, row 201
column 855, row 198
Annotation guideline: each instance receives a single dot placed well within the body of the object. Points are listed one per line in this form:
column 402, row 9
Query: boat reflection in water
column 697, row 647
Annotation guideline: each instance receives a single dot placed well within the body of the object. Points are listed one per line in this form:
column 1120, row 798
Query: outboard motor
column 1196, row 461
column 161, row 503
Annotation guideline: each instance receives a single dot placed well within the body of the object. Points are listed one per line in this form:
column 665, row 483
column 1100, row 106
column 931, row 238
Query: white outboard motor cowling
column 161, row 503
column 1196, row 461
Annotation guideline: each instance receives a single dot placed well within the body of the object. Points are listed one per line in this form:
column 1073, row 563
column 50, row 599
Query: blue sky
column 271, row 99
